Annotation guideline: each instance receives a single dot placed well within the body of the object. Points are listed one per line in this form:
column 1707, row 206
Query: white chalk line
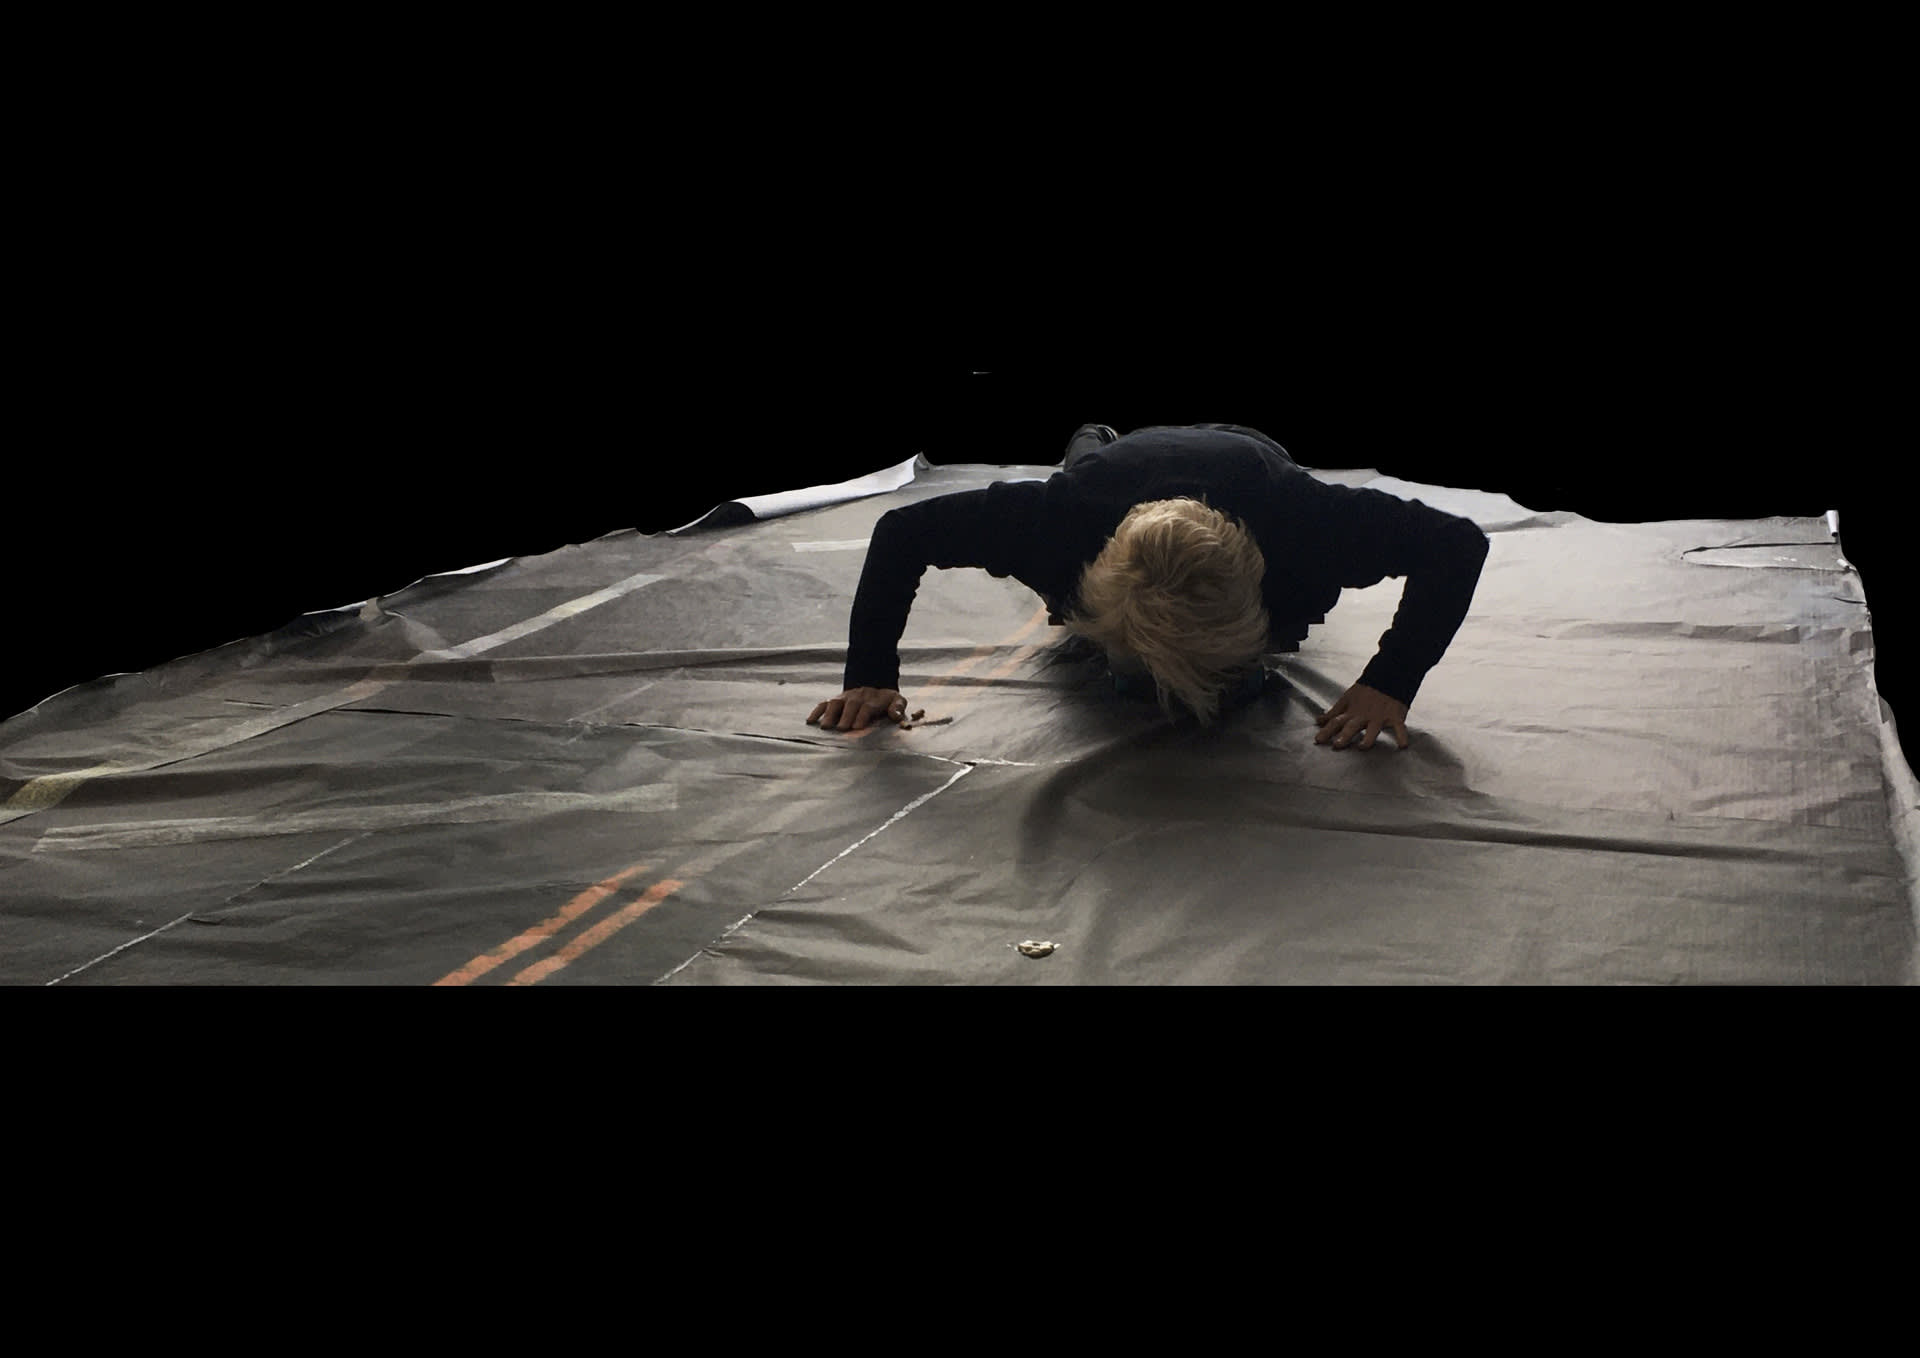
column 41, row 793
column 644, row 798
column 154, row 933
column 897, row 816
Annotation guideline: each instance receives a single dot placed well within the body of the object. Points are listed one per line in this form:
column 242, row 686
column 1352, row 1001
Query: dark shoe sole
column 1085, row 439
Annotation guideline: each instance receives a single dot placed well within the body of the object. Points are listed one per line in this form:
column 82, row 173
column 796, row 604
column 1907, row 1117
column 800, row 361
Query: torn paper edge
column 818, row 497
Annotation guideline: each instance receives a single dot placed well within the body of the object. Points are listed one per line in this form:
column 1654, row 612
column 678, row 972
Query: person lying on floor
column 1186, row 553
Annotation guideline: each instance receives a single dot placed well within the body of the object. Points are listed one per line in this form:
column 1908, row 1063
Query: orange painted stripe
column 598, row 934
column 542, row 931
column 614, row 923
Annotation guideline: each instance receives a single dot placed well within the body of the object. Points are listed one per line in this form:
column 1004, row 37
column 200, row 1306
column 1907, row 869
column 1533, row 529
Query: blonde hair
column 1178, row 586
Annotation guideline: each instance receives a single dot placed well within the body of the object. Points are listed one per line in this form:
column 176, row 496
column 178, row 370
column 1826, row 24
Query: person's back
column 1186, row 551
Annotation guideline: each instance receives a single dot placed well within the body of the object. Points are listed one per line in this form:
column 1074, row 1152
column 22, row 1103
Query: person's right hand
column 858, row 708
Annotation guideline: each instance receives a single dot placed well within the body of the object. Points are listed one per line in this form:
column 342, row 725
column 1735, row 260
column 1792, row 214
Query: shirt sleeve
column 1372, row 535
column 991, row 529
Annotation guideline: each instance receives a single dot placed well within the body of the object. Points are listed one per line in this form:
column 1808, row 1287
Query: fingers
column 1360, row 733
column 857, row 709
column 1338, row 730
column 872, row 710
column 1360, row 723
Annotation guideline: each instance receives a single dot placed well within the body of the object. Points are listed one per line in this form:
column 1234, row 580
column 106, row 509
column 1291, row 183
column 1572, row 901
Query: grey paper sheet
column 1653, row 755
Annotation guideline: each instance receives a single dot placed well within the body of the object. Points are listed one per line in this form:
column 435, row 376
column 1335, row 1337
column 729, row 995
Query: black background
column 343, row 475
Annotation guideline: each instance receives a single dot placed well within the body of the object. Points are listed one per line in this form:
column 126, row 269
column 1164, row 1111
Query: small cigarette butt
column 921, row 713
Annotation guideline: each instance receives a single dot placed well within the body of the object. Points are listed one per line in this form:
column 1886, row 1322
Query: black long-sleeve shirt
column 1317, row 540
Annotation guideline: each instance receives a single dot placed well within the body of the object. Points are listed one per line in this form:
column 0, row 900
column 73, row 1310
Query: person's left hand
column 1363, row 709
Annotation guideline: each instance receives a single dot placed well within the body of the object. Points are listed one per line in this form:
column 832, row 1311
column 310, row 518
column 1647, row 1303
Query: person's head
column 1176, row 591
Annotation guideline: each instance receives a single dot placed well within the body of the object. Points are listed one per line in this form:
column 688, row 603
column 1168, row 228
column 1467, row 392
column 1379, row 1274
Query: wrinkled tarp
column 1653, row 754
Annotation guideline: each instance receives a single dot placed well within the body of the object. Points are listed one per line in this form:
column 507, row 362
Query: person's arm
column 1370, row 535
column 992, row 529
